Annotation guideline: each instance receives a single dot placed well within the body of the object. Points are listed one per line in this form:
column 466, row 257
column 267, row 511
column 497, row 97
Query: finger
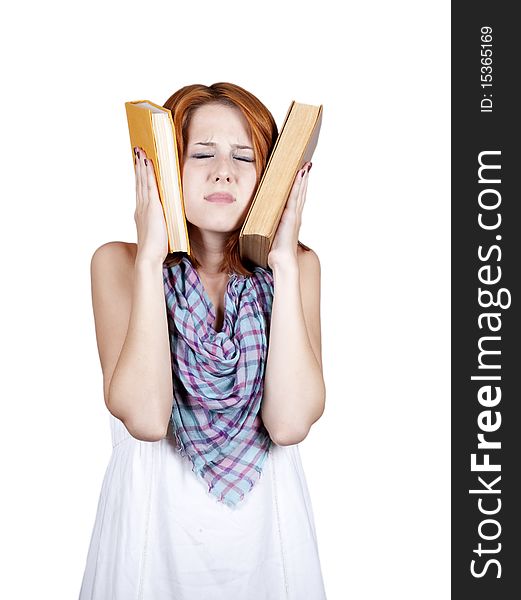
column 139, row 194
column 144, row 176
column 303, row 192
column 292, row 200
column 151, row 181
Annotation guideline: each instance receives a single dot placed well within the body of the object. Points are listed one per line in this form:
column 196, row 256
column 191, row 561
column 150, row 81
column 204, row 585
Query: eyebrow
column 238, row 146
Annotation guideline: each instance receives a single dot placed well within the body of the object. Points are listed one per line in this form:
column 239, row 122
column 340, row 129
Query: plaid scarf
column 218, row 377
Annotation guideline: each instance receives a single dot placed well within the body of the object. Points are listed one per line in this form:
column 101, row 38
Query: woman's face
column 219, row 174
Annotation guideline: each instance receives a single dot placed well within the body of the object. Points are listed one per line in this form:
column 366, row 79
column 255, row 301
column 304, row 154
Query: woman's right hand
column 152, row 239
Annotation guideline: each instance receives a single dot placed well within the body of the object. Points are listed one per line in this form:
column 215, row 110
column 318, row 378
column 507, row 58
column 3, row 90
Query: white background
column 377, row 214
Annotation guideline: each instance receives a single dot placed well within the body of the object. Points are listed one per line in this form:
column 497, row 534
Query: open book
column 151, row 128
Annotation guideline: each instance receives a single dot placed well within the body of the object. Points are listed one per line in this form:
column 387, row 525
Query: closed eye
column 241, row 158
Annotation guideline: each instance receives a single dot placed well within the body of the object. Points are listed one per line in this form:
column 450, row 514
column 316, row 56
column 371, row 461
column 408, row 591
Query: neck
column 208, row 247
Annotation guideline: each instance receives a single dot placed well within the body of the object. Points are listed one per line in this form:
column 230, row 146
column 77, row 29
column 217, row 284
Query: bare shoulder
column 116, row 257
column 115, row 250
column 132, row 249
column 309, row 264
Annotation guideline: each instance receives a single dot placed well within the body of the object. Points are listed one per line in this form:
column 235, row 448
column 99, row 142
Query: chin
column 221, row 223
column 215, row 225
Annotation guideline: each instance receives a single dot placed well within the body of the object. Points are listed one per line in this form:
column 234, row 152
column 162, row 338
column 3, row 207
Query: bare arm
column 294, row 389
column 131, row 319
column 133, row 339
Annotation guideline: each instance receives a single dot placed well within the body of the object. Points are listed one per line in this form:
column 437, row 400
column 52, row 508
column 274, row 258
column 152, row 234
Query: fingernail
column 138, row 155
column 146, row 162
column 303, row 173
column 309, row 167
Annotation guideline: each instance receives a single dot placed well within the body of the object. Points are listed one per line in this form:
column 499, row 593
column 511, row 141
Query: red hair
column 263, row 129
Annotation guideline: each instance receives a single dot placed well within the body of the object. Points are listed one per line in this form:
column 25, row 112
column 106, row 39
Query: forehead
column 218, row 121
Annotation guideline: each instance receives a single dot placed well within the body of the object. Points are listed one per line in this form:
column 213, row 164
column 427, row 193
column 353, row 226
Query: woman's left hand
column 284, row 246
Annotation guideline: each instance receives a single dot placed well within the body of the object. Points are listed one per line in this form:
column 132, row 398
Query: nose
column 223, row 171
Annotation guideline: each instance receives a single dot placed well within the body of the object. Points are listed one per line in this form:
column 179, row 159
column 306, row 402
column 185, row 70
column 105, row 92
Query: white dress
column 160, row 535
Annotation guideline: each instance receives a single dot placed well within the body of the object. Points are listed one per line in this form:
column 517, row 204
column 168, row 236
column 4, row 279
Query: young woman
column 212, row 375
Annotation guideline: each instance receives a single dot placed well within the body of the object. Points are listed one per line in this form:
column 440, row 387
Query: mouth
column 220, row 198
